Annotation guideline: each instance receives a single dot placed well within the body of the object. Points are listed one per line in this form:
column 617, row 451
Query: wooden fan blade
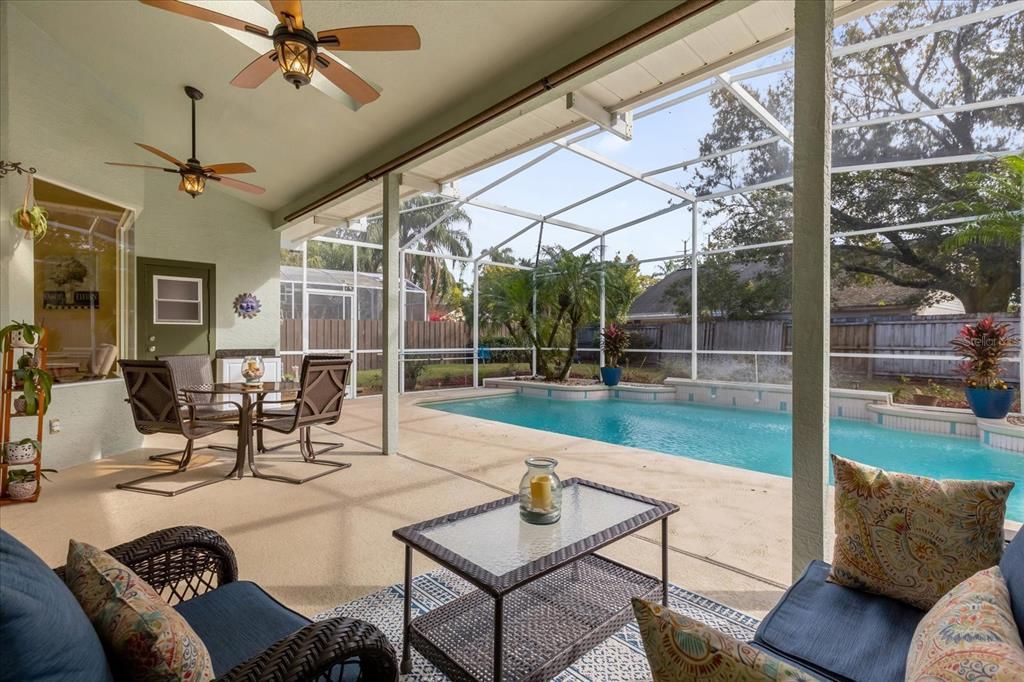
column 347, row 80
column 229, row 168
column 238, row 184
column 162, row 154
column 205, row 15
column 139, row 165
column 257, row 71
column 371, row 38
column 292, row 8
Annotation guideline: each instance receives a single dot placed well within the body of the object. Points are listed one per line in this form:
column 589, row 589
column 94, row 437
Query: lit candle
column 540, row 492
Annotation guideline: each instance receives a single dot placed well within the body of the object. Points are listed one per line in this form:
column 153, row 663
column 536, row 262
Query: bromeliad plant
column 614, row 341
column 983, row 346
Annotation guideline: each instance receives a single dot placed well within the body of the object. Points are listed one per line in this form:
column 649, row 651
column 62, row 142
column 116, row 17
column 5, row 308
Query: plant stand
column 7, row 391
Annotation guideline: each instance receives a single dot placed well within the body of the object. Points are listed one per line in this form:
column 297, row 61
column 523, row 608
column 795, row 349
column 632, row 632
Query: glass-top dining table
column 252, row 397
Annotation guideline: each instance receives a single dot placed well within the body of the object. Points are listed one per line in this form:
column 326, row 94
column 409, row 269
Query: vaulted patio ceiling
column 726, row 35
column 473, row 54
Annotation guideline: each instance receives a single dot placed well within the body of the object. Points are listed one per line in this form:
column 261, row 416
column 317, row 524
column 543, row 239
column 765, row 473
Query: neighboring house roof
column 656, row 303
column 338, row 278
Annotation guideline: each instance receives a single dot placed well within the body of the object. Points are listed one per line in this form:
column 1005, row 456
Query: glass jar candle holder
column 540, row 492
column 253, row 370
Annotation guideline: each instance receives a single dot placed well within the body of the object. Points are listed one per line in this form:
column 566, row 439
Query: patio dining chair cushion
column 913, row 538
column 680, row 649
column 239, row 620
column 969, row 635
column 839, row 632
column 145, row 637
column 36, row 607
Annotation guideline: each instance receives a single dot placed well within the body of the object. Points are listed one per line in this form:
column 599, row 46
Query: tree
column 968, row 64
column 999, row 198
column 568, row 287
column 447, row 238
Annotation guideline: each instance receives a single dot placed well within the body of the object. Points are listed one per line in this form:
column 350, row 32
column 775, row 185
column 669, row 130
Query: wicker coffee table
column 543, row 597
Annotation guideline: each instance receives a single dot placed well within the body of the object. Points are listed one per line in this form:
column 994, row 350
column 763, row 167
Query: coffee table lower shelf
column 547, row 623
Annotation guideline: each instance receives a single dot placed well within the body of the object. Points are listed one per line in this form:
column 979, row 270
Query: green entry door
column 175, row 307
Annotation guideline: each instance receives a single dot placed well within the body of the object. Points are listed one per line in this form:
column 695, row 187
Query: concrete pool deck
column 329, row 541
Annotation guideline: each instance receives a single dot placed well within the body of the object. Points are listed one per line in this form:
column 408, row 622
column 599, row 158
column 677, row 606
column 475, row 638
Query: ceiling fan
column 295, row 46
column 193, row 174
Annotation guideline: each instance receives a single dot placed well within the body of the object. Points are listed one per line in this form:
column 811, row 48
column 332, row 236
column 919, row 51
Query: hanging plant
column 32, row 220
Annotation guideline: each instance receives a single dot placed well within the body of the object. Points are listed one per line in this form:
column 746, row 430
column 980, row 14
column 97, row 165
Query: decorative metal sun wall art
column 247, row 306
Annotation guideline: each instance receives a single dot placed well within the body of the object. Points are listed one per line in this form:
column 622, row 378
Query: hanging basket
column 32, row 220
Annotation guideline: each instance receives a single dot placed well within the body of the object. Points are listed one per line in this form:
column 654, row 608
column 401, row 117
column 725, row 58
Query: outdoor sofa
column 44, row 634
column 838, row 633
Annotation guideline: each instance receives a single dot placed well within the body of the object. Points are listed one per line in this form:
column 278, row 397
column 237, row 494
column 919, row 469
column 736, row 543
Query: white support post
column 476, row 324
column 694, row 309
column 533, row 321
column 811, row 277
column 402, row 359
column 354, row 325
column 392, row 313
column 602, row 304
column 305, row 297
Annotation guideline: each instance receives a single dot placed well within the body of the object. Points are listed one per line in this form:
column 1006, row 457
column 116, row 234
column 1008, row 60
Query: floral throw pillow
column 148, row 639
column 913, row 538
column 680, row 649
column 969, row 635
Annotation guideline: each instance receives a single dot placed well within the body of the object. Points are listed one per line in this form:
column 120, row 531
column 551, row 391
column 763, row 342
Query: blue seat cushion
column 44, row 634
column 1012, row 567
column 839, row 632
column 238, row 621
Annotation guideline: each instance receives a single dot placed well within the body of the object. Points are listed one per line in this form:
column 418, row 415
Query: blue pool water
column 750, row 439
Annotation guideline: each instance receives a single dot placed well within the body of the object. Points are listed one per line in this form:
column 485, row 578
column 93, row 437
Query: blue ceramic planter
column 987, row 403
column 611, row 376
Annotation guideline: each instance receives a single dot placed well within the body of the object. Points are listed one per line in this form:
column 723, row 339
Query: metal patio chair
column 261, row 447
column 195, row 370
column 319, row 400
column 158, row 407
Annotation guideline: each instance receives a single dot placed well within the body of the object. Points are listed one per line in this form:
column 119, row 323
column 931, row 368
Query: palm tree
column 999, row 198
column 447, row 238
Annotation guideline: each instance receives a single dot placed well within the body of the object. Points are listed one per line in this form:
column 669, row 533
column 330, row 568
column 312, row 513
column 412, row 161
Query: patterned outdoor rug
column 621, row 657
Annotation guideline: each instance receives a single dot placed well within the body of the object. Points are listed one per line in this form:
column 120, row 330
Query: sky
column 663, row 138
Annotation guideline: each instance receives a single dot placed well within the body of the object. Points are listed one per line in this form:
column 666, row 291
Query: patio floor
column 329, row 541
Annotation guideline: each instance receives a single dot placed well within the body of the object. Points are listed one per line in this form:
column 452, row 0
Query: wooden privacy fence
column 885, row 336
column 334, row 335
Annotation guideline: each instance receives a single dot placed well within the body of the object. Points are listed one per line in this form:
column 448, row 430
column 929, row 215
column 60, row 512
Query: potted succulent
column 983, row 346
column 21, row 452
column 20, row 335
column 22, row 483
column 614, row 342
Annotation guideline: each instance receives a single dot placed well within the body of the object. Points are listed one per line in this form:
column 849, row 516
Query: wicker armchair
column 187, row 562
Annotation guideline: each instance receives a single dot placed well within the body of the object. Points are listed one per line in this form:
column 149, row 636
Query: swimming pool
column 749, row 439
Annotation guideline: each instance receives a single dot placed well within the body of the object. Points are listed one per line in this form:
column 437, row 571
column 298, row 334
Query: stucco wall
column 61, row 118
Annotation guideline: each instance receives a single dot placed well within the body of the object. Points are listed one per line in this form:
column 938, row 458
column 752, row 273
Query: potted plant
column 21, row 452
column 20, row 335
column 614, row 342
column 32, row 381
column 22, row 483
column 983, row 346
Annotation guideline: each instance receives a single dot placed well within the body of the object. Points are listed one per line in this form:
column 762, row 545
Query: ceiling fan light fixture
column 193, row 183
column 296, row 55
